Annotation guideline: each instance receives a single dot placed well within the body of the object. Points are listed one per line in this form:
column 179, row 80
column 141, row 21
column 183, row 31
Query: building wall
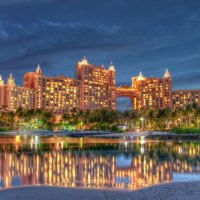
column 152, row 93
column 97, row 86
column 167, row 92
column 57, row 94
column 182, row 98
column 29, row 79
column 93, row 88
column 16, row 97
column 2, row 96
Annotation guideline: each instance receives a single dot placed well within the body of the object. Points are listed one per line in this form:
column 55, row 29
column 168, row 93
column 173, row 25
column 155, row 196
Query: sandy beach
column 173, row 191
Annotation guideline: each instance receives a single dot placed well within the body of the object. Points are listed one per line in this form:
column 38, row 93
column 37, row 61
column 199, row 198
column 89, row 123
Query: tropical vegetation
column 180, row 120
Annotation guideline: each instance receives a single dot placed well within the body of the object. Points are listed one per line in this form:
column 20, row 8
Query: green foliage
column 7, row 121
column 33, row 119
column 103, row 119
column 4, row 129
column 179, row 130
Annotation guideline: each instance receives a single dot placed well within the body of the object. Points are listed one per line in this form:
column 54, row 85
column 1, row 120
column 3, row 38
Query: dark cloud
column 183, row 80
column 14, row 2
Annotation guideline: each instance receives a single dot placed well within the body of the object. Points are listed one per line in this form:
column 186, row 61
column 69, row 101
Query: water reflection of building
column 92, row 168
column 143, row 172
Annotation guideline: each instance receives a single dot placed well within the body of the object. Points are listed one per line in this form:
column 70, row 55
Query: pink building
column 93, row 88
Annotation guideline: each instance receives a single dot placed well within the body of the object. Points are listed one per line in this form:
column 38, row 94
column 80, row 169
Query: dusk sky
column 137, row 35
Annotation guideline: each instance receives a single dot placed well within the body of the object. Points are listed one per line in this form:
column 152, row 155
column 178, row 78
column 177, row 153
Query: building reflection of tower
column 72, row 168
column 143, row 172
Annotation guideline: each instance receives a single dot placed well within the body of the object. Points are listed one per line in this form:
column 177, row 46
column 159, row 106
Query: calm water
column 97, row 163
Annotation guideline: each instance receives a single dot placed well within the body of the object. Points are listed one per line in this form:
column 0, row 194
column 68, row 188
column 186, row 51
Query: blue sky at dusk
column 137, row 35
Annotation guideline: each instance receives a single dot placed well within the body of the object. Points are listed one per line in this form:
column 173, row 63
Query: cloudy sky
column 137, row 35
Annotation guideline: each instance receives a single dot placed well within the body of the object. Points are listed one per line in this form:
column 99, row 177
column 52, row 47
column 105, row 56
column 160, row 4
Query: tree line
column 144, row 119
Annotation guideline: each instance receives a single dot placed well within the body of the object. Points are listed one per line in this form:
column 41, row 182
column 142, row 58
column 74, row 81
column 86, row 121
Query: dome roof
column 167, row 74
column 11, row 80
column 140, row 77
column 38, row 70
column 112, row 67
column 84, row 60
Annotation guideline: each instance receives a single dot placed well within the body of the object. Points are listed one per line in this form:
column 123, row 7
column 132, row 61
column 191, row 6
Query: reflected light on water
column 101, row 163
column 17, row 139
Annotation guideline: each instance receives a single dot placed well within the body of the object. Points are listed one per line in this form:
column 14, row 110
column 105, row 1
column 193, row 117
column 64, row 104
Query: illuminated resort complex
column 92, row 88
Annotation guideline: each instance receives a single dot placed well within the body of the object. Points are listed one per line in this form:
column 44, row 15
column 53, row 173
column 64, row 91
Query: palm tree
column 188, row 113
column 163, row 118
column 151, row 119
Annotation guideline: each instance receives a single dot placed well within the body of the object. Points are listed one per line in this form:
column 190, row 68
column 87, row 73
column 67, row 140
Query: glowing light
column 36, row 139
column 142, row 140
column 125, row 144
column 142, row 149
column 17, row 139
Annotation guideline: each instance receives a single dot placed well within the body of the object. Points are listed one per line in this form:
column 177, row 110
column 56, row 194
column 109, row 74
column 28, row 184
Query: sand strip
column 173, row 191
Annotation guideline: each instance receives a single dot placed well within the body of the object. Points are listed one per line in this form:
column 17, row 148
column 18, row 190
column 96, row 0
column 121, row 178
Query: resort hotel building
column 92, row 88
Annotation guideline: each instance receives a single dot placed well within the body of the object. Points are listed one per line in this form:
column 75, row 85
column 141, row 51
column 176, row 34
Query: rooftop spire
column 111, row 67
column 1, row 81
column 38, row 70
column 84, row 60
column 167, row 74
column 140, row 77
column 11, row 80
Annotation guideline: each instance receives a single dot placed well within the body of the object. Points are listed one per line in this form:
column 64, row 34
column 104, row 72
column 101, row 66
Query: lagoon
column 124, row 163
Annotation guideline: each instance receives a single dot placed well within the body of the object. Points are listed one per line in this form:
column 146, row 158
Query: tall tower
column 167, row 89
column 97, row 86
column 152, row 92
column 9, row 91
column 137, row 82
column 2, row 92
column 83, row 71
column 112, row 74
column 112, row 86
column 38, row 86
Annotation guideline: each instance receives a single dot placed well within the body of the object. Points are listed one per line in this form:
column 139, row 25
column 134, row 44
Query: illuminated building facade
column 58, row 94
column 152, row 92
column 92, row 88
column 149, row 93
column 182, row 98
column 13, row 97
column 97, row 86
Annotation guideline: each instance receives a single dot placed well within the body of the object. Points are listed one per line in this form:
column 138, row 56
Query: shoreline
column 167, row 191
column 149, row 135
